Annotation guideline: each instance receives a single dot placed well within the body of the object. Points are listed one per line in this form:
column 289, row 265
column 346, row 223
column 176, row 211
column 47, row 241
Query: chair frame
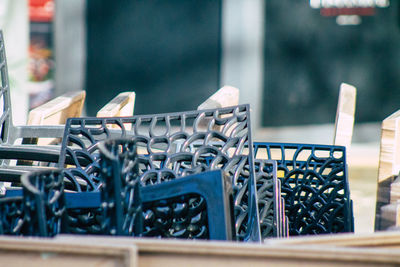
column 81, row 137
column 297, row 170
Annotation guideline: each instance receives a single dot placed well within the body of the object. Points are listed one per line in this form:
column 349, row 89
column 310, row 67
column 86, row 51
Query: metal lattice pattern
column 44, row 202
column 190, row 207
column 12, row 218
column 181, row 217
column 120, row 189
column 270, row 206
column 164, row 146
column 314, row 186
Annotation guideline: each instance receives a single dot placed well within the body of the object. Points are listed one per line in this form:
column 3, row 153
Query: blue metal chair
column 194, row 206
column 270, row 202
column 44, row 203
column 12, row 218
column 43, row 208
column 164, row 142
column 36, row 210
column 314, row 185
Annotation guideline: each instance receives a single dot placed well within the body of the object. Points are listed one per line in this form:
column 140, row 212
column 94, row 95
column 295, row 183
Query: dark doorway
column 167, row 51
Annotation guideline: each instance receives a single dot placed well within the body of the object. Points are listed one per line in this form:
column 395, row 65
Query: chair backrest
column 57, row 110
column 39, row 209
column 344, row 122
column 166, row 138
column 195, row 206
column 44, row 203
column 314, row 185
column 8, row 132
column 120, row 106
column 271, row 206
column 12, row 219
column 120, row 187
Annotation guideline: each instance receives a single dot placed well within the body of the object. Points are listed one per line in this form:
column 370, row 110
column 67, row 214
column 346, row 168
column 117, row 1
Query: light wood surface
column 383, row 239
column 57, row 110
column 120, row 106
column 227, row 96
column 389, row 156
column 388, row 192
column 33, row 252
column 124, row 251
column 173, row 253
column 389, row 216
column 344, row 122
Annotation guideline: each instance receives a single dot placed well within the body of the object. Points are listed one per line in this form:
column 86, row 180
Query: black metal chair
column 43, row 208
column 270, row 202
column 314, row 185
column 44, row 203
column 197, row 206
column 164, row 142
column 12, row 218
column 36, row 210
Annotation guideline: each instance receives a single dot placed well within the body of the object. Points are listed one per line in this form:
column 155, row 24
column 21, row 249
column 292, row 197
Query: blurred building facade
column 287, row 59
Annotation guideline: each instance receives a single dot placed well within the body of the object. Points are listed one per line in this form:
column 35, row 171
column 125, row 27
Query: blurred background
column 287, row 57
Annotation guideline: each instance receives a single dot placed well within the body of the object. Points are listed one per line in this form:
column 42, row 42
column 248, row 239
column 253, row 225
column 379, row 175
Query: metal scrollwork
column 165, row 151
column 314, row 185
column 121, row 202
column 12, row 220
column 44, row 203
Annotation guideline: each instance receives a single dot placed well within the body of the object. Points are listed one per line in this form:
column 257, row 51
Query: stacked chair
column 171, row 146
column 165, row 150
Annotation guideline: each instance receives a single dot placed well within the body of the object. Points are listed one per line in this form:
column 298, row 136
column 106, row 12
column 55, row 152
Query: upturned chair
column 165, row 140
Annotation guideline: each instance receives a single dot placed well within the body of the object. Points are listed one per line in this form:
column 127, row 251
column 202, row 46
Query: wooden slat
column 121, row 105
column 384, row 239
column 57, row 111
column 227, row 96
column 345, row 116
column 173, row 253
column 48, row 252
column 389, row 216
